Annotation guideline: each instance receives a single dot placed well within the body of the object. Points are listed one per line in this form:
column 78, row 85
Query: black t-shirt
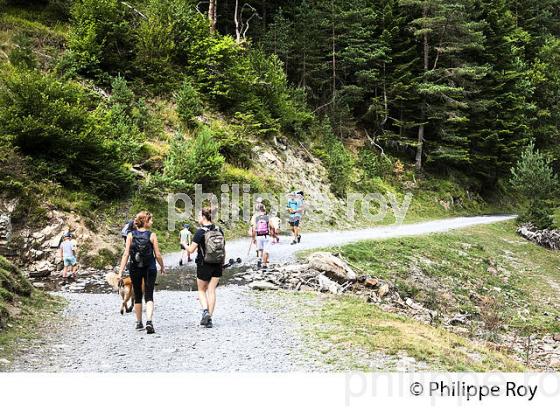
column 198, row 238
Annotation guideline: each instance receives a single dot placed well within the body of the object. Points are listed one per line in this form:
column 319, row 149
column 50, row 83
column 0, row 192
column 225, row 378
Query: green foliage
column 533, row 176
column 123, row 120
column 21, row 55
column 235, row 144
column 539, row 213
column 49, row 121
column 189, row 104
column 374, row 165
column 101, row 39
column 194, row 162
column 337, row 159
column 12, row 280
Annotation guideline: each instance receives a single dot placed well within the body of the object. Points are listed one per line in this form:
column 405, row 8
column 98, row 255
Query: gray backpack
column 214, row 246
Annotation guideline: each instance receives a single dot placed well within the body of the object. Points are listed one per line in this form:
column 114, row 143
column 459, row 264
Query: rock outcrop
column 36, row 251
column 549, row 238
column 7, row 207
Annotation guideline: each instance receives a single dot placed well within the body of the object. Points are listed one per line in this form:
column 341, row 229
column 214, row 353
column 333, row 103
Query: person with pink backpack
column 261, row 231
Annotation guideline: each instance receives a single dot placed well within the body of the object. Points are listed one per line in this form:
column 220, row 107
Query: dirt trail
column 253, row 331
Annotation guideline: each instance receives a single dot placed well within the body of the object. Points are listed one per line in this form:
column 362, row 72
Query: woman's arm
column 193, row 247
column 126, row 253
column 157, row 253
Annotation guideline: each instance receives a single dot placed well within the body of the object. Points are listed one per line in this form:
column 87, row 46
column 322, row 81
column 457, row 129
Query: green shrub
column 49, row 121
column 189, row 104
column 235, row 145
column 196, row 162
column 155, row 49
column 533, row 176
column 121, row 121
column 22, row 55
column 12, row 280
column 101, row 38
column 540, row 214
column 336, row 158
column 373, row 165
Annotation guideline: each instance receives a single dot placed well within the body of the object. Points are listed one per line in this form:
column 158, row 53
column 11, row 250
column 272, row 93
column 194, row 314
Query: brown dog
column 124, row 287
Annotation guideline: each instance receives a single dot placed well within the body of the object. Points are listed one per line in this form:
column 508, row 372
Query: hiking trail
column 253, row 331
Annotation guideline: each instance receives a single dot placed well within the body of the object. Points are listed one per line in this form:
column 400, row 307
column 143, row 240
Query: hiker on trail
column 209, row 243
column 258, row 205
column 275, row 228
column 185, row 238
column 143, row 249
column 295, row 209
column 126, row 229
column 67, row 251
column 260, row 234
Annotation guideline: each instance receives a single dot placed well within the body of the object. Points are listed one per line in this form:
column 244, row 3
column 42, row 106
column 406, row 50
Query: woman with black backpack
column 209, row 243
column 143, row 249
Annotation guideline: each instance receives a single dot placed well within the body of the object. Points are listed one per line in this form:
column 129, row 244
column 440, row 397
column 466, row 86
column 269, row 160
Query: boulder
column 371, row 283
column 556, row 337
column 333, row 267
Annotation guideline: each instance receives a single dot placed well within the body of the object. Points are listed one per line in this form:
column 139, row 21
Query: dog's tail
column 112, row 280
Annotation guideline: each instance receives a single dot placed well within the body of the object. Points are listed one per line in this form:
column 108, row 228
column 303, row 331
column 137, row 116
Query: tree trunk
column 212, row 15
column 236, row 21
column 421, row 127
column 333, row 54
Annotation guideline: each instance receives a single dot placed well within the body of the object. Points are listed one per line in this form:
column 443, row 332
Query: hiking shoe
column 209, row 324
column 293, row 242
column 298, row 238
column 205, row 318
column 180, row 262
column 139, row 325
column 259, row 264
column 150, row 328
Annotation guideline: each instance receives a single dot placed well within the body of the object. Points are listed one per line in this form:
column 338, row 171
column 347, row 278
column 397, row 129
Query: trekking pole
column 250, row 246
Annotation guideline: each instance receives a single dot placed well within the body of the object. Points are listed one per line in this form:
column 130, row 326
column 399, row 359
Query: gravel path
column 253, row 331
column 93, row 337
column 284, row 252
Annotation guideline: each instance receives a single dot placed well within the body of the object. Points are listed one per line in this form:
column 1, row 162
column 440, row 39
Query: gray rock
column 263, row 285
column 333, row 267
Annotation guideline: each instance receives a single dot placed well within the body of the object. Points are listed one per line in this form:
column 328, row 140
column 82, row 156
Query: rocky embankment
column 34, row 250
column 325, row 272
column 549, row 238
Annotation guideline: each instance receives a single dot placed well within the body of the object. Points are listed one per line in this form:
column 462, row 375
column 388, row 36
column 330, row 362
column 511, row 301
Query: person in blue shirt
column 295, row 209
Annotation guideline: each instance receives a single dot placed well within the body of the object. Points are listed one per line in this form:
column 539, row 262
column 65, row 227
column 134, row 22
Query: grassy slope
column 21, row 308
column 349, row 322
column 506, row 284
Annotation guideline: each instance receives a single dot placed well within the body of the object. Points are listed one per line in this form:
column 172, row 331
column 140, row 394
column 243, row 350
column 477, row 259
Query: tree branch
column 134, row 9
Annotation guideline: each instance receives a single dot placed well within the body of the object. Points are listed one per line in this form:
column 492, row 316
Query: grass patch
column 33, row 311
column 503, row 281
column 350, row 322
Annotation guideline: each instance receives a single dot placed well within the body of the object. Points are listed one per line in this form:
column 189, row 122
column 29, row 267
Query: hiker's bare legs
column 65, row 272
column 74, row 271
column 212, row 285
column 202, row 288
column 138, row 311
column 265, row 258
column 149, row 310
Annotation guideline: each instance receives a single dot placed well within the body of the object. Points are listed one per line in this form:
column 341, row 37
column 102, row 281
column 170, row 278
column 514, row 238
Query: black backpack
column 141, row 249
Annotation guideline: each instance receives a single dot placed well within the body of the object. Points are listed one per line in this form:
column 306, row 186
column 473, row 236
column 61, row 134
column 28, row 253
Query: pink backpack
column 261, row 223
